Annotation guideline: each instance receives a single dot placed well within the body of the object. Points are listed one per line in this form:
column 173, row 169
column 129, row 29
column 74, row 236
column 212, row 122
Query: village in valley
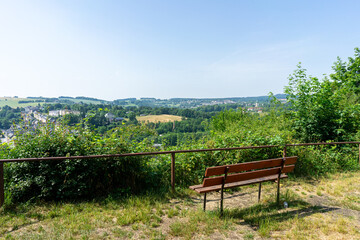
column 33, row 113
column 32, row 117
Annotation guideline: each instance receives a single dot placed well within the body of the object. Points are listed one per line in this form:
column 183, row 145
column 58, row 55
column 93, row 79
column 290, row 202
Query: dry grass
column 342, row 190
column 322, row 209
column 159, row 118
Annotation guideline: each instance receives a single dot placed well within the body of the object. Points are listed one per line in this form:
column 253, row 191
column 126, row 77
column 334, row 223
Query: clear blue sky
column 164, row 49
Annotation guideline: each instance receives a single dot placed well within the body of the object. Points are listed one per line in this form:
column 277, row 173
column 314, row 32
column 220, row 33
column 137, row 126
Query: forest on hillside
column 193, row 124
column 316, row 110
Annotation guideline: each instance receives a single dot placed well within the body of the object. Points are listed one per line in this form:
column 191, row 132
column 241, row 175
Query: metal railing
column 171, row 153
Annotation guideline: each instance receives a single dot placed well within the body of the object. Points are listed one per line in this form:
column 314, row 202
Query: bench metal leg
column 222, row 201
column 279, row 177
column 204, row 201
column 222, row 190
column 278, row 192
column 259, row 192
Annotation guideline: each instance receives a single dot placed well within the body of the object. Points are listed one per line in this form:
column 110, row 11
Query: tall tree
column 326, row 109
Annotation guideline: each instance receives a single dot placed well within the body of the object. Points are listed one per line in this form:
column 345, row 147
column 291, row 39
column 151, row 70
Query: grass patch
column 166, row 216
column 269, row 216
column 200, row 223
column 341, row 189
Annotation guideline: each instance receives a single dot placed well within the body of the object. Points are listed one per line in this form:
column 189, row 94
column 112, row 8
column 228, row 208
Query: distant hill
column 149, row 102
column 192, row 102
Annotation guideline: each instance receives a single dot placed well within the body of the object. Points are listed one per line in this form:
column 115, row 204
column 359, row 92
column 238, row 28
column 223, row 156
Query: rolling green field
column 80, row 100
column 14, row 102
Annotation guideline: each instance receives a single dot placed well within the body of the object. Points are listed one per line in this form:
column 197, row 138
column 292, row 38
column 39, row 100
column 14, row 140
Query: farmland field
column 81, row 100
column 159, row 118
column 14, row 102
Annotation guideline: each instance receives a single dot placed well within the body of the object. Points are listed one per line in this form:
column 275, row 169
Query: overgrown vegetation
column 317, row 110
column 74, row 179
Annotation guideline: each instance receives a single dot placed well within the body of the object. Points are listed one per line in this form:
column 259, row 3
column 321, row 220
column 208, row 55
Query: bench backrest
column 247, row 171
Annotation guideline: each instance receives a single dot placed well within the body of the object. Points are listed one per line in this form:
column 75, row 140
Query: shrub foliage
column 75, row 178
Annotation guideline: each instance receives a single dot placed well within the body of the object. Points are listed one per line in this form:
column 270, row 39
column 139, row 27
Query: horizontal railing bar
column 133, row 154
column 322, row 143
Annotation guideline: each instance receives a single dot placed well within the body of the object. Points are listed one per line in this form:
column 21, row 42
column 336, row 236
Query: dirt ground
column 326, row 204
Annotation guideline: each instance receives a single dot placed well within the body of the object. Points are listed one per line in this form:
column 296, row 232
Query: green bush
column 76, row 178
column 315, row 161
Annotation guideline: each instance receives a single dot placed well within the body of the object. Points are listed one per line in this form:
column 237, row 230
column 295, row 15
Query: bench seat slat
column 238, row 184
column 195, row 186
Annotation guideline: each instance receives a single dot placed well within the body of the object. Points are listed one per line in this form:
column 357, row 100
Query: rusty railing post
column 284, row 152
column 173, row 171
column 2, row 195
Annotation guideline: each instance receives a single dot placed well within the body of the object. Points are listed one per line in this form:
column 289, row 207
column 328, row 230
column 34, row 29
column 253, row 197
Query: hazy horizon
column 137, row 97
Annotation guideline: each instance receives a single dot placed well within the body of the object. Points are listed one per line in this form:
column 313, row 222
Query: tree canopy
column 326, row 109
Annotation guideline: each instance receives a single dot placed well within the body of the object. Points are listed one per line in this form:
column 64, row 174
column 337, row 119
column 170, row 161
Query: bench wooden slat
column 212, row 171
column 251, row 175
column 239, row 184
column 255, row 165
column 288, row 169
column 290, row 160
column 195, row 186
column 240, row 167
column 213, row 181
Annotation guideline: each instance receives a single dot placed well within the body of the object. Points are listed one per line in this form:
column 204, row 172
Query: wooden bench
column 236, row 175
